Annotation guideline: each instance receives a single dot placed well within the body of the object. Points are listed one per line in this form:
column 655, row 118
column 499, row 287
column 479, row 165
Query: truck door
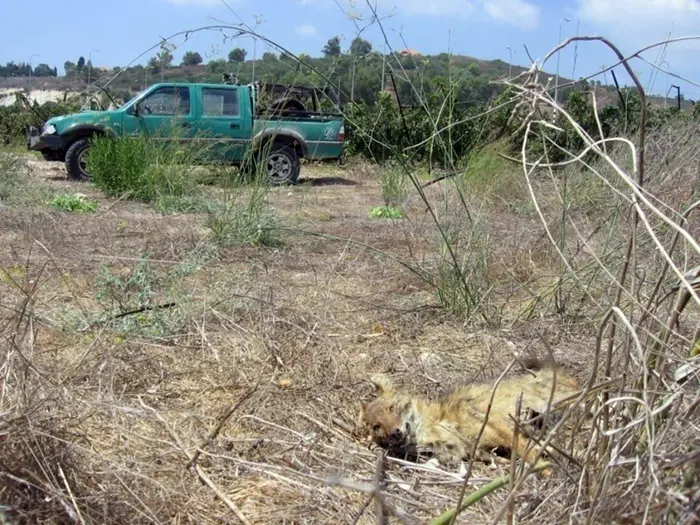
column 165, row 113
column 224, row 123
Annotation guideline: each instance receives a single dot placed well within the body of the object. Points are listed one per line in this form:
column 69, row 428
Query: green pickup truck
column 229, row 118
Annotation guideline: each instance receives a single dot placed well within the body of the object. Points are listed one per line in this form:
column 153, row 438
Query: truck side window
column 220, row 102
column 167, row 101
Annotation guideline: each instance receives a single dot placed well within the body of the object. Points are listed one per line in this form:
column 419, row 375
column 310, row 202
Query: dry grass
column 236, row 402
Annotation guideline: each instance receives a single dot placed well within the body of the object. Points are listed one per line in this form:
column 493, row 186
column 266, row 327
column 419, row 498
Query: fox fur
column 448, row 427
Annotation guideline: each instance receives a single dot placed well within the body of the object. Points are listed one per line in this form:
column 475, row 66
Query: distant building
column 409, row 53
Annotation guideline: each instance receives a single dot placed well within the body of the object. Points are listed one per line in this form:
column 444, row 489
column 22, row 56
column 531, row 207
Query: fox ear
column 383, row 384
column 363, row 411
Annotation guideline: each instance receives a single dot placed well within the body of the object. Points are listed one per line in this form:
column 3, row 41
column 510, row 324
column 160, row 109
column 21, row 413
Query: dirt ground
column 284, row 336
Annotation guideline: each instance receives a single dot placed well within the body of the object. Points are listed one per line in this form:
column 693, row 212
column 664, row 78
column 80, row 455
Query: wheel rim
column 82, row 162
column 279, row 167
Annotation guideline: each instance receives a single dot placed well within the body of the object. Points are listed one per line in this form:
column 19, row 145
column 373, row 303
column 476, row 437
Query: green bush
column 386, row 212
column 253, row 222
column 394, row 184
column 141, row 168
column 16, row 119
column 76, row 203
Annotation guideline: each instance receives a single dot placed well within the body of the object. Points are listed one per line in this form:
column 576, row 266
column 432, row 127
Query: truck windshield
column 131, row 99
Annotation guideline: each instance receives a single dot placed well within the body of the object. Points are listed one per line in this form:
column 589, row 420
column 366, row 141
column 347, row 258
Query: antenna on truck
column 228, row 78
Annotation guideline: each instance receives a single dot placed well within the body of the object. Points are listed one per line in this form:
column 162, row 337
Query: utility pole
column 30, row 63
column 573, row 71
column 510, row 60
column 556, row 81
column 90, row 64
column 605, row 75
column 255, row 49
column 352, row 82
column 258, row 19
column 383, row 65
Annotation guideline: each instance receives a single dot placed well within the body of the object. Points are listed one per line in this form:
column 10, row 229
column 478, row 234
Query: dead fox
column 448, row 427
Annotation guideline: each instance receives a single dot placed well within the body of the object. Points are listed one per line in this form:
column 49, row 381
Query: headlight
column 49, row 129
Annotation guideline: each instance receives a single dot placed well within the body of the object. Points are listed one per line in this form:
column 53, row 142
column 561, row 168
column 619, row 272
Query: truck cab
column 225, row 118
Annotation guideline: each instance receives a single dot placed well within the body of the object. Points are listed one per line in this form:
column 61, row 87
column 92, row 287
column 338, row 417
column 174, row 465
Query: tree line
column 21, row 69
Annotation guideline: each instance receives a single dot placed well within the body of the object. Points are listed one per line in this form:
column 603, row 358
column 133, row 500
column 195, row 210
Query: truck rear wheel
column 76, row 155
column 281, row 165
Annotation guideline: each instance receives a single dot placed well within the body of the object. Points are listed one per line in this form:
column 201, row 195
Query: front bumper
column 37, row 142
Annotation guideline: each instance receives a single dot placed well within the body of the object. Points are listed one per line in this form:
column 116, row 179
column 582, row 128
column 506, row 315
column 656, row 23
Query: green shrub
column 142, row 168
column 394, row 185
column 76, row 203
column 16, row 119
column 386, row 212
column 253, row 222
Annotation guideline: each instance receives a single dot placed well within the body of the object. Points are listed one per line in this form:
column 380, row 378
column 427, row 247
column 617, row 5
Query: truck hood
column 64, row 122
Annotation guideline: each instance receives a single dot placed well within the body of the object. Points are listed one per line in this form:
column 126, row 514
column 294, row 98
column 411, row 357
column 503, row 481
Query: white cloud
column 306, row 30
column 519, row 13
column 637, row 23
column 515, row 12
column 631, row 11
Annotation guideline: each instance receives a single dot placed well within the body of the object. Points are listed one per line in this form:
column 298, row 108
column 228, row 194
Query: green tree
column 165, row 59
column 269, row 57
column 69, row 67
column 154, row 64
column 332, row 47
column 192, row 58
column 360, row 47
column 43, row 70
column 237, row 55
column 81, row 64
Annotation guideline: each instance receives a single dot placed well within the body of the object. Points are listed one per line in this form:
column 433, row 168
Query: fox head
column 381, row 419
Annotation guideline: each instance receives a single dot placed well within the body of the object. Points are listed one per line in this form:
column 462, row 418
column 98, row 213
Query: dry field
column 235, row 401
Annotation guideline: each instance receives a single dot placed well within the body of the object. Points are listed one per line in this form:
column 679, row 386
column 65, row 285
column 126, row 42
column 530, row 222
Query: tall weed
column 141, row 168
column 394, row 184
column 244, row 220
column 246, row 216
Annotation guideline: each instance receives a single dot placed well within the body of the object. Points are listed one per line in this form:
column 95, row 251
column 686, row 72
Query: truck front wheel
column 76, row 158
column 281, row 165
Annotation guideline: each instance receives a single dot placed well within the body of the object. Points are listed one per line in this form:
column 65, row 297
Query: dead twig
column 212, row 436
column 510, row 517
column 449, row 516
column 197, row 469
column 379, row 483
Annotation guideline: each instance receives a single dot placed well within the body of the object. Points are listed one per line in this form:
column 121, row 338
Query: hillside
column 359, row 78
column 472, row 77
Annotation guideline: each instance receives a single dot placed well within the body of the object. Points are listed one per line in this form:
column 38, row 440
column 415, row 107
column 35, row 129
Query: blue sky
column 480, row 28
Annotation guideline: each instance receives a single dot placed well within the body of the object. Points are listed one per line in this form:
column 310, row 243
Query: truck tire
column 75, row 160
column 281, row 165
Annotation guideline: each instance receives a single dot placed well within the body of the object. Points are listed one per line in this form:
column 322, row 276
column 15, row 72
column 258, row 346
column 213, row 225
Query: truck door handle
column 185, row 125
column 235, row 126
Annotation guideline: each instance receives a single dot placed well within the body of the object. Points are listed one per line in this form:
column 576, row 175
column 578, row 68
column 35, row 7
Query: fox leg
column 493, row 438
